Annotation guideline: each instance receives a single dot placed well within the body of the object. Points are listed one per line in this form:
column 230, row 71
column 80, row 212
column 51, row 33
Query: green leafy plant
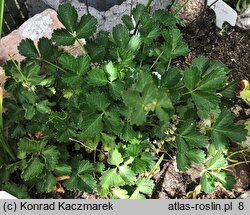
column 243, row 92
column 104, row 118
column 239, row 5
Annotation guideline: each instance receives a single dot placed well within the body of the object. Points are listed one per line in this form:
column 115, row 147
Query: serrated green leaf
column 33, row 169
column 62, row 169
column 134, row 150
column 44, row 106
column 148, row 158
column 115, row 158
column 48, row 183
column 111, row 178
column 72, row 183
column 166, row 18
column 138, row 166
column 171, row 78
column 99, row 167
column 223, row 130
column 145, row 186
column 133, row 100
column 207, row 184
column 120, row 36
column 97, row 77
column 97, row 101
column 92, row 125
column 19, row 191
column 192, row 77
column 134, row 43
column 51, row 156
column 195, row 139
column 62, row 37
column 78, row 65
column 120, row 193
column 127, row 174
column 47, row 50
column 181, row 144
column 174, row 46
column 201, row 63
column 138, row 11
column 86, row 183
column 67, row 15
column 27, row 49
column 226, row 179
column 30, row 73
column 31, row 146
column 182, row 161
column 196, row 155
column 113, row 122
column 108, row 140
column 81, row 176
column 116, row 89
column 112, row 71
column 127, row 133
column 220, row 141
column 128, row 22
column 216, row 162
column 187, row 127
column 95, row 51
column 214, row 80
column 86, row 26
column 85, row 167
column 205, row 102
column 30, row 111
column 103, row 191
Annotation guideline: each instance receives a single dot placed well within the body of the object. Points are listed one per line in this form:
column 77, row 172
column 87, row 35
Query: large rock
column 190, row 10
column 106, row 19
column 41, row 25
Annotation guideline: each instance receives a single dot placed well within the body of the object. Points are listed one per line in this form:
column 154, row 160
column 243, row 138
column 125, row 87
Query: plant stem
column 54, row 65
column 237, row 152
column 137, row 191
column 169, row 63
column 232, row 165
column 87, row 5
column 84, row 145
column 157, row 59
column 1, row 15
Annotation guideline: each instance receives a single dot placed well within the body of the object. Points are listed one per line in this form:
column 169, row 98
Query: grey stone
column 243, row 20
column 106, row 19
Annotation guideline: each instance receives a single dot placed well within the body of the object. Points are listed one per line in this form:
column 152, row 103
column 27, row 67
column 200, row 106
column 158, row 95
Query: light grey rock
column 106, row 19
column 243, row 20
column 37, row 26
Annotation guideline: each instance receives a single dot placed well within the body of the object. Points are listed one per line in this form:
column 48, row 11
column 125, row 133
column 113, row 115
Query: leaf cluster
column 113, row 101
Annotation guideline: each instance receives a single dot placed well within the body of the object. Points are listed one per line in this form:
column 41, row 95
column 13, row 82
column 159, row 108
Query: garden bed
column 114, row 119
column 230, row 46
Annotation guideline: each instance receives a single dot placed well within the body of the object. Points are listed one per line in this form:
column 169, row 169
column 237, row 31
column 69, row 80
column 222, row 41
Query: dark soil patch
column 230, row 46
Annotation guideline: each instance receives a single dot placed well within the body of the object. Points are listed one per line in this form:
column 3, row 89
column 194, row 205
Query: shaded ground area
column 230, row 45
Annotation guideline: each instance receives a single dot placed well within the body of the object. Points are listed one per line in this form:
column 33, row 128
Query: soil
column 230, row 46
